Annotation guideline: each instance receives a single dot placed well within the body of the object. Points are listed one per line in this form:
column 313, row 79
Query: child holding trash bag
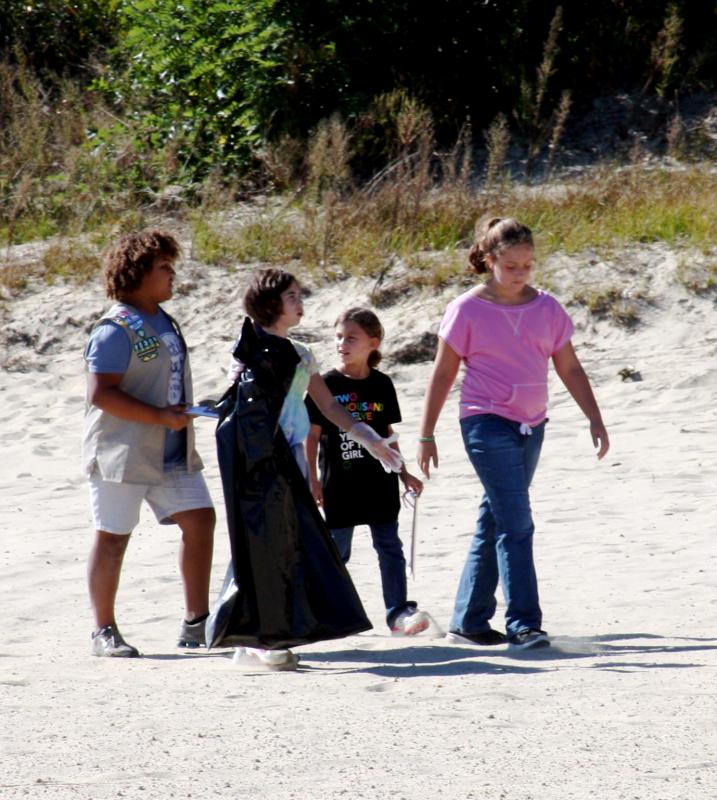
column 295, row 588
column 505, row 331
column 349, row 477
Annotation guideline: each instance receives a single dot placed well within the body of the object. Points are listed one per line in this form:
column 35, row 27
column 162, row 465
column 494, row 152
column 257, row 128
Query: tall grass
column 370, row 228
column 68, row 164
column 613, row 206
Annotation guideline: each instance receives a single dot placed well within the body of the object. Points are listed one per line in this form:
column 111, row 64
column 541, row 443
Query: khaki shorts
column 116, row 506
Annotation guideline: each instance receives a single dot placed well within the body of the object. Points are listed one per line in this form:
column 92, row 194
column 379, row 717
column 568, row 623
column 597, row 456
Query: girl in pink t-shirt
column 505, row 332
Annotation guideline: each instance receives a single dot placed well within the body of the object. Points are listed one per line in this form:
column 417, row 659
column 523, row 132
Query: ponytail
column 493, row 234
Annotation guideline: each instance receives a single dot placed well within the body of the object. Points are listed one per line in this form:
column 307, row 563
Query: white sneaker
column 410, row 622
column 271, row 660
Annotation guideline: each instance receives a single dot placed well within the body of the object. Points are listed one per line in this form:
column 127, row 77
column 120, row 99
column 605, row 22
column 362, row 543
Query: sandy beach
column 622, row 707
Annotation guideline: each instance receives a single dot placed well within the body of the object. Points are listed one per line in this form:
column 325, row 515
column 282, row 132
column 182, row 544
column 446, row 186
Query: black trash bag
column 286, row 584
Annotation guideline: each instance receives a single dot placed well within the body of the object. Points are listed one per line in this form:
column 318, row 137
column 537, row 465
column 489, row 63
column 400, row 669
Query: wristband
column 427, row 439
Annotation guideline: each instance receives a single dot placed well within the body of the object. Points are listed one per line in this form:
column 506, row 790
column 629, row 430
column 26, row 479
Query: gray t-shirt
column 109, row 350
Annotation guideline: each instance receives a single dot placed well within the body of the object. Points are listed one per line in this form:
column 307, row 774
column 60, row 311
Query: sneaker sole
column 124, row 654
column 535, row 644
column 253, row 664
column 457, row 638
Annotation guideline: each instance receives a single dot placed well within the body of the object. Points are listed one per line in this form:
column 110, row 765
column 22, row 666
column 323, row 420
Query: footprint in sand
column 381, row 687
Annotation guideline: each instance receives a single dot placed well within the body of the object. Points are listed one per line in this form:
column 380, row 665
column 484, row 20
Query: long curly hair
column 131, row 257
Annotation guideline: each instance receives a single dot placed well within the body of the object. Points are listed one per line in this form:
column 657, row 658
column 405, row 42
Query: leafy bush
column 200, row 74
column 222, row 79
column 56, row 36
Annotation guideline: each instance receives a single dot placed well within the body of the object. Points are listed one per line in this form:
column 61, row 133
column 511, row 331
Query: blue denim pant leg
column 342, row 539
column 475, row 599
column 391, row 563
column 505, row 461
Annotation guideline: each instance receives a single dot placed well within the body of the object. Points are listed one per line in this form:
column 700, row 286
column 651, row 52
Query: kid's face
column 511, row 267
column 292, row 306
column 353, row 344
column 158, row 283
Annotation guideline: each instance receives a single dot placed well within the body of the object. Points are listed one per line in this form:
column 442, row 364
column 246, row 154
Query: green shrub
column 57, row 37
column 199, row 74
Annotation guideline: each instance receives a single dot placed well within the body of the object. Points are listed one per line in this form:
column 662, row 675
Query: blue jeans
column 391, row 563
column 505, row 461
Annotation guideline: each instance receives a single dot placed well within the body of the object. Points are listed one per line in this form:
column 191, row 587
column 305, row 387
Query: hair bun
column 494, row 234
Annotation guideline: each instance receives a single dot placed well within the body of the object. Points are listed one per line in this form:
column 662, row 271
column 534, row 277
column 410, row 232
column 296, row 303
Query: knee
column 517, row 534
column 198, row 523
column 388, row 545
column 206, row 518
column 110, row 547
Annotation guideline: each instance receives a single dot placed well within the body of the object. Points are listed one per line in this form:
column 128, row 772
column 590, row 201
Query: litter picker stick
column 411, row 500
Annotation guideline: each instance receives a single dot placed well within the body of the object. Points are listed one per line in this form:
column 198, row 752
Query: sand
column 622, row 706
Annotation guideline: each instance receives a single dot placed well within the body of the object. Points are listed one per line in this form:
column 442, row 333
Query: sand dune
column 621, row 707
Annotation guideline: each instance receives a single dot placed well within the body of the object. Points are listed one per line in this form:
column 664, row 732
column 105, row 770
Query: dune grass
column 607, row 207
column 69, row 168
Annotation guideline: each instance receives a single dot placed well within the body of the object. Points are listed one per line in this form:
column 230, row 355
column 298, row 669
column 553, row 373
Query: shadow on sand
column 437, row 660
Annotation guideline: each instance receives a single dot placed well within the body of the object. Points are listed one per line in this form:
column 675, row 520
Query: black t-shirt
column 357, row 489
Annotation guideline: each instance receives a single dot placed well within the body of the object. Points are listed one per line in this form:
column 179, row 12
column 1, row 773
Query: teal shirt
column 294, row 417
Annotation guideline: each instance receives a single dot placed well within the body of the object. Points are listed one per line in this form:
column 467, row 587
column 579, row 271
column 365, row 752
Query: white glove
column 380, row 448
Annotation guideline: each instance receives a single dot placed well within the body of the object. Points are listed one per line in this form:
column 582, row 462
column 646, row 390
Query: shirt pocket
column 530, row 399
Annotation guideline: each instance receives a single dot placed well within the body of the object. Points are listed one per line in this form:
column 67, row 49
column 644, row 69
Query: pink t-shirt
column 505, row 350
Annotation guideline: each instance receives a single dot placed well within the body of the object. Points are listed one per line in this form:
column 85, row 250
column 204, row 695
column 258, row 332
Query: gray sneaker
column 192, row 635
column 108, row 641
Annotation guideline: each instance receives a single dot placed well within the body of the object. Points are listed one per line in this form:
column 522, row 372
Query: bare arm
column 411, row 482
column 571, row 373
column 312, row 452
column 360, row 432
column 320, row 393
column 445, row 368
column 103, row 391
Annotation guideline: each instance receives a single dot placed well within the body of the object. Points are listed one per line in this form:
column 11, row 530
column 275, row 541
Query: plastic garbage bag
column 286, row 584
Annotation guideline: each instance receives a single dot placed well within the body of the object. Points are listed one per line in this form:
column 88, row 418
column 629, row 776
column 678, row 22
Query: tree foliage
column 55, row 36
column 218, row 79
column 201, row 73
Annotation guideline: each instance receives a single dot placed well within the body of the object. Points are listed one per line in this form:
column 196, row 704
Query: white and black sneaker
column 527, row 638
column 489, row 638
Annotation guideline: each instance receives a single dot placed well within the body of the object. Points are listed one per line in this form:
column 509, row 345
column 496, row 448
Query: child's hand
column 427, row 452
column 316, row 491
column 412, row 483
column 600, row 437
column 377, row 446
column 174, row 417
